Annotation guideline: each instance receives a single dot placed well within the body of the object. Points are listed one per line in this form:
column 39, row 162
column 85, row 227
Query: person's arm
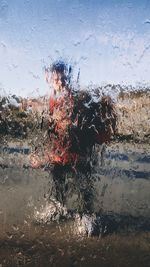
column 37, row 161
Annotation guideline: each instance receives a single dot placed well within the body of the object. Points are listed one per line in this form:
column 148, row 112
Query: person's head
column 60, row 76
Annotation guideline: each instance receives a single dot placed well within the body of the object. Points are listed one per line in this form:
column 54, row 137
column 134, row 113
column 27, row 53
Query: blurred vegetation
column 132, row 109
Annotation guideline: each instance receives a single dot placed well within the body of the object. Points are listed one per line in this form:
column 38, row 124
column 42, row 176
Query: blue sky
column 108, row 40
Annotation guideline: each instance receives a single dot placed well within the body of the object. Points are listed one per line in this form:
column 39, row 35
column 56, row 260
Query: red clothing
column 60, row 114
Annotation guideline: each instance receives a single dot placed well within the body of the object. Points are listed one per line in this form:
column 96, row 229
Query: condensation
column 74, row 133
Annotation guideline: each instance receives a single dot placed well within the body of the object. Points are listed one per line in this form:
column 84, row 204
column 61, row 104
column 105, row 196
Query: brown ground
column 46, row 246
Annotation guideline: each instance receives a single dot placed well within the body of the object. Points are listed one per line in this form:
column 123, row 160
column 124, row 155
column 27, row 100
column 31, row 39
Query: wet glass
column 74, row 133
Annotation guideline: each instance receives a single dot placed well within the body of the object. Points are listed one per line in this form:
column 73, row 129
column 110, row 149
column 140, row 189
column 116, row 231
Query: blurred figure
column 76, row 121
column 76, row 124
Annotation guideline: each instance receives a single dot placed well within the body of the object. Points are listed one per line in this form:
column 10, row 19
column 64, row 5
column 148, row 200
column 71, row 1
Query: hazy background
column 108, row 40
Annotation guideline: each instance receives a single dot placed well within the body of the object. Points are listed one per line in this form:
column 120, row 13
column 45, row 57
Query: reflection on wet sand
column 121, row 203
column 37, row 245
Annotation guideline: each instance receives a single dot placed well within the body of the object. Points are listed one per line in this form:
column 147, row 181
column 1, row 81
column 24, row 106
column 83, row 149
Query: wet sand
column 46, row 246
column 23, row 242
